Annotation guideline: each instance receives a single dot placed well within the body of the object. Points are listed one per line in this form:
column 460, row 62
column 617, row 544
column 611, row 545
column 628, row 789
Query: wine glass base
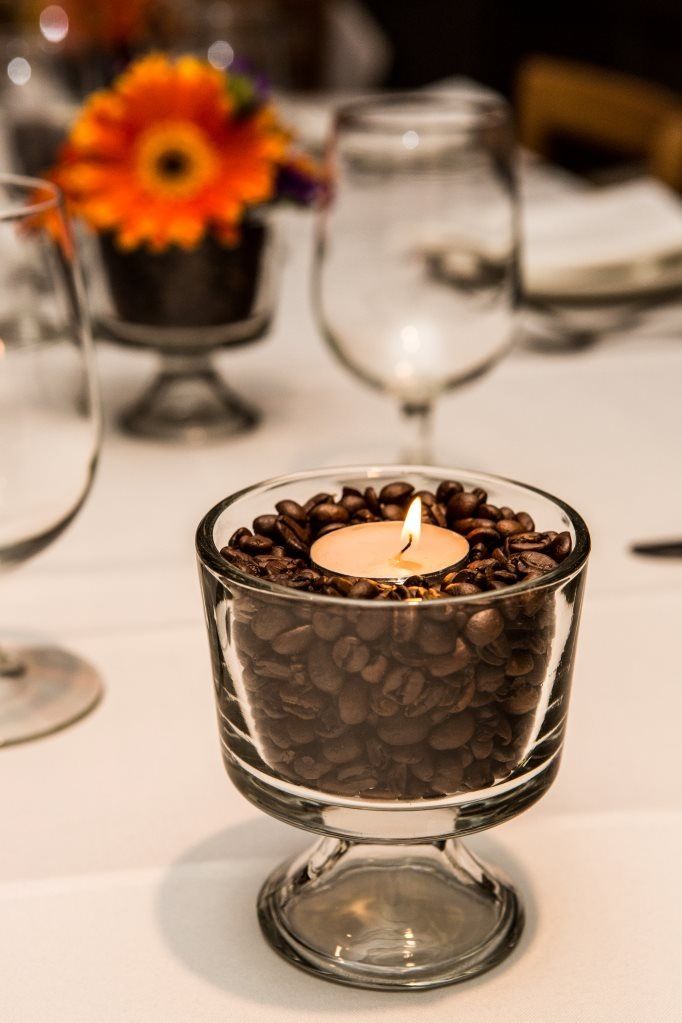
column 390, row 917
column 42, row 690
column 188, row 404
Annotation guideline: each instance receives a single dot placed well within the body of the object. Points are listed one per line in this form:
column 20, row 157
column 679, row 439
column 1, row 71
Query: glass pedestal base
column 43, row 689
column 190, row 403
column 390, row 917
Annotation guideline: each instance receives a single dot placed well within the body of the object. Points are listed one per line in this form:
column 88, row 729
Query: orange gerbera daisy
column 166, row 154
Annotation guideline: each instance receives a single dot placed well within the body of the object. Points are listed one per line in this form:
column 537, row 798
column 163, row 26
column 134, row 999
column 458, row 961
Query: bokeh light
column 54, row 23
column 19, row 71
column 220, row 54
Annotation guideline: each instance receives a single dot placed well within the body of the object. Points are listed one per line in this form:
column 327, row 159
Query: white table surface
column 128, row 864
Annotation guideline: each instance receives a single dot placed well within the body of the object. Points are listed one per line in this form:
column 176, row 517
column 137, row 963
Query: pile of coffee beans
column 425, row 699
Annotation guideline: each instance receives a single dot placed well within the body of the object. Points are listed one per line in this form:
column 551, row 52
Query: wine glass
column 415, row 275
column 49, row 436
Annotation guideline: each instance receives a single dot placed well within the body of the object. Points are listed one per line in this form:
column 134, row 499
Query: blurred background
column 595, row 86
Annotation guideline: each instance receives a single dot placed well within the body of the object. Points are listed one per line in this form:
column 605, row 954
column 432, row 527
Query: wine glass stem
column 417, row 439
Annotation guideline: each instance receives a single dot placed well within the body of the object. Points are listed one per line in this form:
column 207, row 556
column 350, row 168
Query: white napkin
column 620, row 238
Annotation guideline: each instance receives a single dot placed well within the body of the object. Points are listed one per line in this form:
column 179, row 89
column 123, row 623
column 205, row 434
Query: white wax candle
column 372, row 550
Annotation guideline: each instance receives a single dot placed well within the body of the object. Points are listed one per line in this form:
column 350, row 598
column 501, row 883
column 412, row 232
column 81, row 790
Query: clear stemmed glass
column 415, row 273
column 49, row 435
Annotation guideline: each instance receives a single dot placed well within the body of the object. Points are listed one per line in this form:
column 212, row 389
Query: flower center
column 175, row 160
column 173, row 163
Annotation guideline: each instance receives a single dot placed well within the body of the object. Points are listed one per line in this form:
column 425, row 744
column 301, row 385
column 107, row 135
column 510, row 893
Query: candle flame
column 412, row 526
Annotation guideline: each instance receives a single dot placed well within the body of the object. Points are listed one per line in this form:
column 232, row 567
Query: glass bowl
column 391, row 728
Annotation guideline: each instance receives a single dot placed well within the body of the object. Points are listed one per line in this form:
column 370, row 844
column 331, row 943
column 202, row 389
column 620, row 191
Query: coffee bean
column 461, row 589
column 290, row 538
column 403, row 684
column 364, row 515
column 327, row 512
column 300, row 732
column 454, row 732
column 328, row 724
column 447, row 489
column 264, row 525
column 383, row 706
column 489, row 677
column 508, row 527
column 315, row 500
column 256, row 545
column 309, row 768
column 323, row 670
column 436, row 639
column 372, row 626
column 462, row 506
column 488, row 511
column 464, row 698
column 448, row 664
column 560, row 546
column 467, row 525
column 352, row 503
column 238, row 536
column 241, row 560
column 271, row 622
column 355, row 786
column 484, row 626
column 520, row 663
column 353, row 702
column 489, row 537
column 393, row 512
column 395, row 493
column 402, row 731
column 327, row 625
column 522, row 542
column 448, row 777
column 481, row 564
column 424, row 768
column 342, row 584
column 304, row 704
column 375, row 670
column 522, row 700
column 536, row 561
column 350, row 653
column 372, row 501
column 526, row 521
column 364, row 589
column 292, row 509
column 437, row 515
column 479, row 775
column 295, row 641
column 343, row 750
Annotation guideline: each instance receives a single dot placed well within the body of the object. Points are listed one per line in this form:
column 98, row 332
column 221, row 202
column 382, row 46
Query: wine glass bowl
column 415, row 268
column 391, row 728
column 49, row 434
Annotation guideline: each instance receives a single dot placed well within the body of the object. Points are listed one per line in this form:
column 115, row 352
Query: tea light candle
column 390, row 550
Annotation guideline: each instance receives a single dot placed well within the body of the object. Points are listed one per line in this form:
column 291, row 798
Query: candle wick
column 407, row 545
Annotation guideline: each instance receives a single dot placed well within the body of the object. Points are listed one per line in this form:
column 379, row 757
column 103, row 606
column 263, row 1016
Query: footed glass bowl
column 391, row 729
column 186, row 305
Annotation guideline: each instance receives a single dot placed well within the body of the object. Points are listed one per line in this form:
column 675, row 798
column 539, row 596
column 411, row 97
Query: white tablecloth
column 129, row 865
